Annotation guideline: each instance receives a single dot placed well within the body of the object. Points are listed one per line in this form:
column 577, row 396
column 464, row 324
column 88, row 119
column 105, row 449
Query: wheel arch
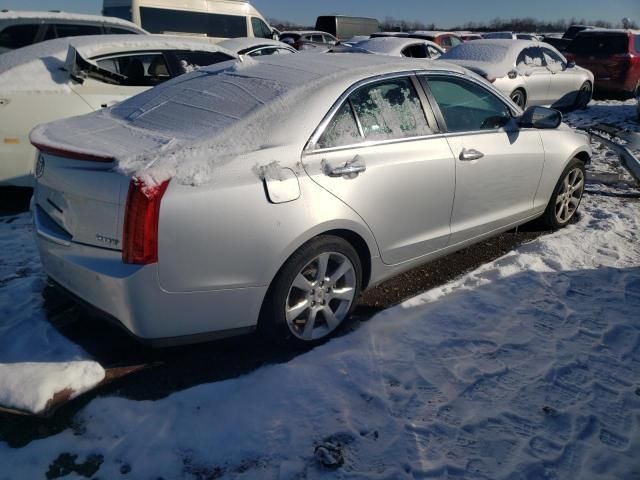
column 362, row 247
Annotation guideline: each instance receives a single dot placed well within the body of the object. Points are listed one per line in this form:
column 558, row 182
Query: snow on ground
column 526, row 368
column 30, row 348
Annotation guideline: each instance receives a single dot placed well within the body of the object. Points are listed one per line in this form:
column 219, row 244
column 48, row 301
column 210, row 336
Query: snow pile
column 34, row 387
column 31, row 350
column 528, row 367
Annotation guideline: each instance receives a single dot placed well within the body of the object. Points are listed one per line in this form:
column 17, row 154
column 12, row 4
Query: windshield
column 599, row 44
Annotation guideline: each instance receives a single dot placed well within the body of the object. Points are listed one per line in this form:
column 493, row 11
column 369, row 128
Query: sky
column 426, row 11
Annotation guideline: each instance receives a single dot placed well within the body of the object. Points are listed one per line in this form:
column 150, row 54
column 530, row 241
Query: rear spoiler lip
column 74, row 155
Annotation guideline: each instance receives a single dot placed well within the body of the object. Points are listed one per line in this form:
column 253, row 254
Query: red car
column 613, row 56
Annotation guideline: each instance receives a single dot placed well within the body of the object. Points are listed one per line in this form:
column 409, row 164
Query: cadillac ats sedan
column 269, row 194
column 529, row 72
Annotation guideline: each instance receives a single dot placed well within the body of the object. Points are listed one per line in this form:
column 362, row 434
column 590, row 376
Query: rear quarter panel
column 229, row 235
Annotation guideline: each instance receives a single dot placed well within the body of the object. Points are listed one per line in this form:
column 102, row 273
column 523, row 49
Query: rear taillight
column 142, row 215
column 61, row 152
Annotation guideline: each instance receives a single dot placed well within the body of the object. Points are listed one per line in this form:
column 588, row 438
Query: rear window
column 477, row 52
column 599, row 44
column 18, row 36
column 159, row 20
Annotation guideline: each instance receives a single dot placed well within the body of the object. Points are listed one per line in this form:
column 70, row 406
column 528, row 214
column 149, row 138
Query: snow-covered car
column 20, row 29
column 72, row 76
column 256, row 47
column 396, row 47
column 530, row 73
column 271, row 193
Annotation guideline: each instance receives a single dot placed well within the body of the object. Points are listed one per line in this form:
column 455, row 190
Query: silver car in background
column 272, row 193
column 394, row 47
column 529, row 72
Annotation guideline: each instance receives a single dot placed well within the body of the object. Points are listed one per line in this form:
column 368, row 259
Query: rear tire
column 314, row 292
column 566, row 197
column 519, row 97
column 585, row 94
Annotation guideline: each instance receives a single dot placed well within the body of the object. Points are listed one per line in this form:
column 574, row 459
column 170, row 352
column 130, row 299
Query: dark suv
column 613, row 56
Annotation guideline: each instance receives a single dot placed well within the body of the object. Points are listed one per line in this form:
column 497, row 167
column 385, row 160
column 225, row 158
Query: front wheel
column 314, row 292
column 566, row 196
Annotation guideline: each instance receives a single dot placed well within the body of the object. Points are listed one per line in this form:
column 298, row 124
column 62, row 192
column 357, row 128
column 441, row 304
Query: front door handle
column 471, row 154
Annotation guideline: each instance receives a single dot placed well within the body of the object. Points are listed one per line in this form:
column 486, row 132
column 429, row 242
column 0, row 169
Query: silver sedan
column 270, row 194
column 529, row 72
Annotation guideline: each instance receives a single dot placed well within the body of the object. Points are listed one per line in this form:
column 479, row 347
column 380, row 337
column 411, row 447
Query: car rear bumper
column 132, row 296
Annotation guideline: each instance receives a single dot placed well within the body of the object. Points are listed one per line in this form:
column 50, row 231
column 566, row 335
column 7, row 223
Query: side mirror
column 571, row 64
column 512, row 74
column 540, row 117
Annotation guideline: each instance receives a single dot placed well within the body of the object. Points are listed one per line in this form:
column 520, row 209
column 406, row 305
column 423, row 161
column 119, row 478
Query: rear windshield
column 599, row 44
column 477, row 52
column 160, row 20
column 18, row 36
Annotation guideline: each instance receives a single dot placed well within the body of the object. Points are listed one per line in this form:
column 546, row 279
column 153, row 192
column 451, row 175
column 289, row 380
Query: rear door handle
column 350, row 169
column 470, row 154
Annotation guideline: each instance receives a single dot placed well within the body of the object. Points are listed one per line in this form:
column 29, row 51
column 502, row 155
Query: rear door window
column 64, row 30
column 190, row 60
column 466, row 106
column 530, row 58
column 18, row 36
column 317, row 38
column 599, row 44
column 390, row 109
column 119, row 31
column 446, row 42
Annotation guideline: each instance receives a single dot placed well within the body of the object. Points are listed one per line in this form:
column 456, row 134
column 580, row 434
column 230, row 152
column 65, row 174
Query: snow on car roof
column 188, row 127
column 243, row 43
column 75, row 17
column 493, row 57
column 392, row 46
column 433, row 33
column 38, row 67
column 303, row 32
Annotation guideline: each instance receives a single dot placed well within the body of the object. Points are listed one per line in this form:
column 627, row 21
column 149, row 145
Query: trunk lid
column 85, row 199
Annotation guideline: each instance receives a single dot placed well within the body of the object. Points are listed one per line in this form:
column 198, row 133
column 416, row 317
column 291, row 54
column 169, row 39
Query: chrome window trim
column 374, row 143
column 320, row 129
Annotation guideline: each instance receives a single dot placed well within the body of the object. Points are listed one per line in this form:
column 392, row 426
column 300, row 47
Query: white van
column 20, row 29
column 215, row 19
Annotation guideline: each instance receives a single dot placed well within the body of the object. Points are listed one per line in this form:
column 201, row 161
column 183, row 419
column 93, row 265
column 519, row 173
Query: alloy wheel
column 320, row 296
column 518, row 98
column 569, row 196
